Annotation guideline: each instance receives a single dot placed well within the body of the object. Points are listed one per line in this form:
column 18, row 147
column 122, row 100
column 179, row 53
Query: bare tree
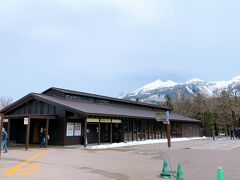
column 5, row 101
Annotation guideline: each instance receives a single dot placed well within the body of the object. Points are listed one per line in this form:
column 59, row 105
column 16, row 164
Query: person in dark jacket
column 4, row 140
column 42, row 137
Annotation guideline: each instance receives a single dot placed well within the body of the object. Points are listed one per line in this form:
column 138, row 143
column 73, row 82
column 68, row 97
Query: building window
column 73, row 129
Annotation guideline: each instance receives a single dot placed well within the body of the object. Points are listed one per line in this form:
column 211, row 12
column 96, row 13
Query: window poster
column 70, row 129
column 77, row 129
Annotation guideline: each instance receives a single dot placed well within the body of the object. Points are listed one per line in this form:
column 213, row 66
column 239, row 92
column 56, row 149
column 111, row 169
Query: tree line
column 5, row 101
column 221, row 113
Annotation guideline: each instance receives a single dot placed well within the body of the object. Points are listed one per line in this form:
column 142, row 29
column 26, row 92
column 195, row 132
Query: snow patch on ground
column 134, row 143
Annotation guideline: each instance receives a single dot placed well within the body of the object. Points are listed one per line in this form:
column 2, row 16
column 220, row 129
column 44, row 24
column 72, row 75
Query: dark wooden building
column 72, row 118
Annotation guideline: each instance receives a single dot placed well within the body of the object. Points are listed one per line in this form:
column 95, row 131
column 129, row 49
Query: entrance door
column 36, row 132
column 35, row 126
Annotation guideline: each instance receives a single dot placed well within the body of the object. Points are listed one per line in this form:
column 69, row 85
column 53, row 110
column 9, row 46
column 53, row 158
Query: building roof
column 178, row 117
column 66, row 91
column 100, row 109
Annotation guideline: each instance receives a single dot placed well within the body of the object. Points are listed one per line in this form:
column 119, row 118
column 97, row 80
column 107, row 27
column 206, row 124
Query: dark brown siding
column 190, row 130
column 92, row 135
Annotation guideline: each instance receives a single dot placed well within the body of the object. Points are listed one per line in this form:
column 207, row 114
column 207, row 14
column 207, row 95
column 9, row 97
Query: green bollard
column 180, row 175
column 166, row 174
column 220, row 175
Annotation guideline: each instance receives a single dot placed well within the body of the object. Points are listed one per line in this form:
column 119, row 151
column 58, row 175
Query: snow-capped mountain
column 158, row 90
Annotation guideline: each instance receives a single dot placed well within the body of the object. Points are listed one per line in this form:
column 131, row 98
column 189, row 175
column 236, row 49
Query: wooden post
column 140, row 129
column 128, row 129
column 111, row 132
column 46, row 132
column 169, row 134
column 148, row 124
column 8, row 130
column 155, row 132
column 27, row 134
column 85, row 133
column 99, row 133
column 161, row 128
column 1, row 126
column 132, row 130
column 136, row 130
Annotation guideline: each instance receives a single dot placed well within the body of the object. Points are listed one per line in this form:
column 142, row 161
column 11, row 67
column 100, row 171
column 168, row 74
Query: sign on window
column 70, row 129
column 77, row 129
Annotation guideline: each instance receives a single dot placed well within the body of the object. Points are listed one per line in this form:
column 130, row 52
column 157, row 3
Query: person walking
column 4, row 140
column 42, row 138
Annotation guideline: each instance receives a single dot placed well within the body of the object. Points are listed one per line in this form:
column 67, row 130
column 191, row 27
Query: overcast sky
column 113, row 46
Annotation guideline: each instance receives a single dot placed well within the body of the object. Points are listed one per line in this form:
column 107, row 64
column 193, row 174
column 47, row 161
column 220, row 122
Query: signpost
column 27, row 123
column 168, row 129
column 164, row 117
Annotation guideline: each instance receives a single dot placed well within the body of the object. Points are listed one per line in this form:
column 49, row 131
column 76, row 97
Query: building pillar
column 1, row 126
column 132, row 130
column 8, row 130
column 140, row 129
column 111, row 132
column 85, row 132
column 155, row 133
column 136, row 130
column 46, row 132
column 128, row 129
column 99, row 132
column 148, row 126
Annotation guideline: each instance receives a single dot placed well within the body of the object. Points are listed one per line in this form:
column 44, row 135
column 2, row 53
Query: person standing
column 4, row 140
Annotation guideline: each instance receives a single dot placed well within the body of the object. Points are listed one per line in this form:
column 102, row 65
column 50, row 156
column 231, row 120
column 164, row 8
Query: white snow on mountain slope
column 194, row 80
column 236, row 79
column 158, row 90
column 155, row 85
column 221, row 84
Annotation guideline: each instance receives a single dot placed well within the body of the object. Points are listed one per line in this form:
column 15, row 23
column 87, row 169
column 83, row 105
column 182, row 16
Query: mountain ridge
column 158, row 90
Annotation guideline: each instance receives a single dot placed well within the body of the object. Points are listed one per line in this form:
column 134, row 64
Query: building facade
column 72, row 118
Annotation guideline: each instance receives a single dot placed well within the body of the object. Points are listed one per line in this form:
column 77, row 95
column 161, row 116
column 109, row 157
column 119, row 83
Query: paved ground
column 200, row 159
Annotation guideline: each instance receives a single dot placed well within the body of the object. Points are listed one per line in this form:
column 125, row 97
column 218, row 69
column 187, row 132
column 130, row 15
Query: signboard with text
column 163, row 117
column 26, row 121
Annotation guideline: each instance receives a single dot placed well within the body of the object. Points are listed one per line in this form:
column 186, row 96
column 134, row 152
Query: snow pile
column 134, row 143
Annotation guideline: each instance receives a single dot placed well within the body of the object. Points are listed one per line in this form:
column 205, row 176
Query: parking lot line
column 15, row 169
column 30, row 170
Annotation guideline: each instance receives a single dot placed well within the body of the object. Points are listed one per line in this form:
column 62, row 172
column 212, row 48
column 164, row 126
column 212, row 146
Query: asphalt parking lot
column 200, row 160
